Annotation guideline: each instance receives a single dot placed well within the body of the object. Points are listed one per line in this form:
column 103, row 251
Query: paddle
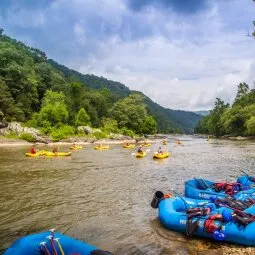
column 59, row 246
column 185, row 203
column 51, row 238
column 248, row 176
column 202, row 181
column 245, row 173
column 43, row 244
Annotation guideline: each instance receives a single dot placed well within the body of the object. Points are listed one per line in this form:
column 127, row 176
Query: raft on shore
column 44, row 242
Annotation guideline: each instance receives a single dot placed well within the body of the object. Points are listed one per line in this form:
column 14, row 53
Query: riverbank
column 4, row 141
column 226, row 137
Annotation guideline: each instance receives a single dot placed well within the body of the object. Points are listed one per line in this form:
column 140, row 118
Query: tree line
column 237, row 119
column 41, row 96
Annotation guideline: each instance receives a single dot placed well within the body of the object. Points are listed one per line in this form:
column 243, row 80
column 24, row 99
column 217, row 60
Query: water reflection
column 103, row 197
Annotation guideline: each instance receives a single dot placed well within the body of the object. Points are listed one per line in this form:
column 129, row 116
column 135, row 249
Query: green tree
column 53, row 111
column 130, row 112
column 82, row 118
column 7, row 104
column 149, row 125
column 214, row 122
column 242, row 91
column 110, row 125
column 233, row 121
column 251, row 126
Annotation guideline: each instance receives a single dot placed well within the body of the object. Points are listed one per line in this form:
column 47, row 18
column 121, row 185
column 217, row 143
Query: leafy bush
column 27, row 137
column 82, row 118
column 12, row 135
column 100, row 135
column 110, row 125
column 62, row 132
column 128, row 132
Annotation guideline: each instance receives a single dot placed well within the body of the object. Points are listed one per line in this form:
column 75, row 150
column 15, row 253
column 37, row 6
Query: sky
column 181, row 53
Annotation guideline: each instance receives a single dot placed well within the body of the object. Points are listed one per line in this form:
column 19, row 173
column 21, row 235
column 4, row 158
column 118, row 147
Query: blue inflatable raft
column 49, row 243
column 204, row 189
column 246, row 180
column 205, row 219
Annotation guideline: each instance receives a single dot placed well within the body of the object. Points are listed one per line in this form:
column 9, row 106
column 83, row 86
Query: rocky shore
column 11, row 134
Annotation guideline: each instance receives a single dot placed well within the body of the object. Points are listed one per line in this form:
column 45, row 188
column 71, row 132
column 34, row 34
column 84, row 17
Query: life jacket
column 32, row 150
column 209, row 224
column 228, row 188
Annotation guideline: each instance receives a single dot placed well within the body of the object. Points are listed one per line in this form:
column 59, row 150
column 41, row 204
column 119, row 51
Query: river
column 103, row 197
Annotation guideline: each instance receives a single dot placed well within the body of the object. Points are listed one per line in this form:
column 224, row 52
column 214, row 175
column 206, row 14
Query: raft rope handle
column 51, row 239
column 59, row 246
column 45, row 248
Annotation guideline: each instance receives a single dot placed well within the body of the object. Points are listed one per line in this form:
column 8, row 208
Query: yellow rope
column 60, row 247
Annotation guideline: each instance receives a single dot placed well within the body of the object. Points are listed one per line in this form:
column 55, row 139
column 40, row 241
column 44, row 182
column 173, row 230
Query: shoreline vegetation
column 62, row 103
column 236, row 120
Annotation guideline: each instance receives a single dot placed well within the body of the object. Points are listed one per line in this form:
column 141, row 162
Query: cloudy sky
column 181, row 53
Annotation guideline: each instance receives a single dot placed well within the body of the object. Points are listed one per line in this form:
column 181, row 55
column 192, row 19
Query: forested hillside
column 43, row 94
column 237, row 119
column 167, row 120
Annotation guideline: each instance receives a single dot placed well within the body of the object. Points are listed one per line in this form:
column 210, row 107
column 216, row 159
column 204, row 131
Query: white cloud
column 181, row 62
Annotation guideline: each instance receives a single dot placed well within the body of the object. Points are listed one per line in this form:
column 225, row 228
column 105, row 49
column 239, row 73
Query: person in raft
column 55, row 150
column 140, row 149
column 160, row 150
column 32, row 150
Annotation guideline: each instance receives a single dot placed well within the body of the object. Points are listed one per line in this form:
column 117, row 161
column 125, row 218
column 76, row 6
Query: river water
column 103, row 197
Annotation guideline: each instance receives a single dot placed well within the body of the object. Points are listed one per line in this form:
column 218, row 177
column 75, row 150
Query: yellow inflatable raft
column 49, row 153
column 39, row 153
column 125, row 146
column 75, row 147
column 106, row 147
column 146, row 144
column 140, row 154
column 161, row 155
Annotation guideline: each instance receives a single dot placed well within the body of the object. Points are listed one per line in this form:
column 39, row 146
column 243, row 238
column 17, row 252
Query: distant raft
column 164, row 142
column 45, row 243
column 200, row 218
column 140, row 154
column 106, row 147
column 146, row 144
column 128, row 146
column 75, row 147
column 56, row 154
column 161, row 155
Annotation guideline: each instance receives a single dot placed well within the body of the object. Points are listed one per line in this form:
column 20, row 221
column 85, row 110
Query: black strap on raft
column 191, row 224
column 242, row 218
column 234, row 203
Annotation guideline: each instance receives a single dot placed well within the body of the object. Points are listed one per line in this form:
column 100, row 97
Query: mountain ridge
column 168, row 120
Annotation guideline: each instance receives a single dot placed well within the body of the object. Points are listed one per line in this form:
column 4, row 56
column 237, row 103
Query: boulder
column 85, row 129
column 17, row 129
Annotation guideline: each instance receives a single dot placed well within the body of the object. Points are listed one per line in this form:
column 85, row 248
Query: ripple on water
column 103, row 197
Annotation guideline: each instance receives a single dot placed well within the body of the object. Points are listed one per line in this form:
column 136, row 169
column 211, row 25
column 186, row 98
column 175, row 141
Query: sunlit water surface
column 103, row 197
